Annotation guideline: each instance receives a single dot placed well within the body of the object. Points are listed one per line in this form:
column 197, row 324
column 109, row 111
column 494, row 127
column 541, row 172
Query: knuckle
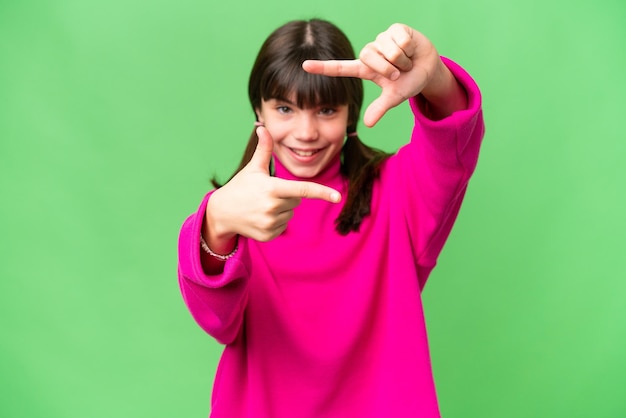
column 404, row 43
column 367, row 51
column 289, row 215
column 395, row 55
column 265, row 224
column 264, row 236
column 269, row 188
column 269, row 206
column 304, row 191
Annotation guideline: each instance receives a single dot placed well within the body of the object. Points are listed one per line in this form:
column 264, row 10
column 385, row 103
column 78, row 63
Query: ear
column 257, row 111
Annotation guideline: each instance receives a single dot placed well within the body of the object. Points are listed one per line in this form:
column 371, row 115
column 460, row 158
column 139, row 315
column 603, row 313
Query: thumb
column 263, row 153
column 377, row 109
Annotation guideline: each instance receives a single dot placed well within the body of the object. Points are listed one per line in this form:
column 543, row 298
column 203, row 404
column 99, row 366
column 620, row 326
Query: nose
column 306, row 128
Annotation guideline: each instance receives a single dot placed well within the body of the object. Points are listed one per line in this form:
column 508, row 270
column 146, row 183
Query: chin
column 305, row 172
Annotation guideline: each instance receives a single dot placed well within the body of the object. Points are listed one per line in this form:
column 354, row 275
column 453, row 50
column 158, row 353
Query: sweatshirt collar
column 330, row 176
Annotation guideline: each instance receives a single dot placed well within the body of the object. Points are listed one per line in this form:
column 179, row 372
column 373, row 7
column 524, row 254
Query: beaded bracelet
column 220, row 257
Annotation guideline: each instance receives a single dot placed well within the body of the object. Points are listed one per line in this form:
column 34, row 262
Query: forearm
column 432, row 172
column 218, row 240
column 218, row 311
column 443, row 95
column 216, row 301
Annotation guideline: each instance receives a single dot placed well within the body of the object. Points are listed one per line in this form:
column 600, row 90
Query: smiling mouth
column 304, row 153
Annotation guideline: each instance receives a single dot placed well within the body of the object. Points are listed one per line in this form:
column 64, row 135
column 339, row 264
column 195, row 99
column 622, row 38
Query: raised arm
column 429, row 176
column 253, row 205
column 404, row 63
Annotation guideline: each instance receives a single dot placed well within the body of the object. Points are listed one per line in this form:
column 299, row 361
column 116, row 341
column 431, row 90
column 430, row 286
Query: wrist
column 443, row 95
column 218, row 256
column 218, row 237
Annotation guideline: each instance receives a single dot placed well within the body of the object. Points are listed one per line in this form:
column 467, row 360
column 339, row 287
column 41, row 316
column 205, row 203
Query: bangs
column 286, row 80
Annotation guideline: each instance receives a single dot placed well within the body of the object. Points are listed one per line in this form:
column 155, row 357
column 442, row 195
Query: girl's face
column 305, row 140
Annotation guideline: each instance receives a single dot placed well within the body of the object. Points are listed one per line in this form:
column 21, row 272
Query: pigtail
column 361, row 165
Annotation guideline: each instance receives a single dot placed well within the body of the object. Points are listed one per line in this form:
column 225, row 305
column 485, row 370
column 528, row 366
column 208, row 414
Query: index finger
column 305, row 189
column 338, row 68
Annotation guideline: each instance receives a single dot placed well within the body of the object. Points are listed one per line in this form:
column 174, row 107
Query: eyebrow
column 290, row 103
column 281, row 99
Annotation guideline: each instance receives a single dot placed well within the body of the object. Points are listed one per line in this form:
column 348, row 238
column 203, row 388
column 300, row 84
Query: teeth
column 304, row 153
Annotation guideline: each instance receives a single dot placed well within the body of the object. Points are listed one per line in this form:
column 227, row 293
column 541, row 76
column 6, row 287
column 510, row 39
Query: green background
column 114, row 114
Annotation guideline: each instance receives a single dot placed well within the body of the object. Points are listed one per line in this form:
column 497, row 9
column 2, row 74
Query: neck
column 331, row 174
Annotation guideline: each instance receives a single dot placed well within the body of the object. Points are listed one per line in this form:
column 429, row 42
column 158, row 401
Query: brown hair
column 277, row 74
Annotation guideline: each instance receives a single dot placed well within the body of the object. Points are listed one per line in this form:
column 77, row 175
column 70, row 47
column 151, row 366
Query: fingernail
column 335, row 197
column 395, row 75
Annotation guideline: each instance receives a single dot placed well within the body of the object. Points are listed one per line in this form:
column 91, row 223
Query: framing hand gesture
column 404, row 63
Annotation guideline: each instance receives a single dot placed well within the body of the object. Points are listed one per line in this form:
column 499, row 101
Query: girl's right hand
column 254, row 204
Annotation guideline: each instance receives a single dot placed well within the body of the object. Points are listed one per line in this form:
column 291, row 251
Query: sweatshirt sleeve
column 216, row 302
column 434, row 171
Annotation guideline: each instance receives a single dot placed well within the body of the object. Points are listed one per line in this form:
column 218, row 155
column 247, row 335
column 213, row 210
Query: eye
column 283, row 109
column 327, row 111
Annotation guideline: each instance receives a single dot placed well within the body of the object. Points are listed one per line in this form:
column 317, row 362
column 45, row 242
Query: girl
column 309, row 263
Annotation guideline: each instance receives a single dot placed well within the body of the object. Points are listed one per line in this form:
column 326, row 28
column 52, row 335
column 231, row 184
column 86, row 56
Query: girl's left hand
column 404, row 63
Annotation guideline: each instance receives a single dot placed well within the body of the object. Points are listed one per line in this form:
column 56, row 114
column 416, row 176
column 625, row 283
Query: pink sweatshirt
column 316, row 324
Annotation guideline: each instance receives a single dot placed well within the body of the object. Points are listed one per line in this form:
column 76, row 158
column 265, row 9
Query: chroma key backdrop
column 115, row 114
